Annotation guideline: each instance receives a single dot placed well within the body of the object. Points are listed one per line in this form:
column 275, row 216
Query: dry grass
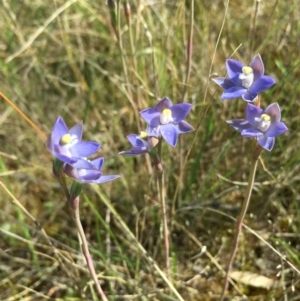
column 64, row 58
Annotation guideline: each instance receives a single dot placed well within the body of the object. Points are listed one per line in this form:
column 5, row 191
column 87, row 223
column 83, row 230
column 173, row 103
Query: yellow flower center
column 166, row 116
column 247, row 70
column 143, row 135
column 65, row 139
column 266, row 117
column 167, row 112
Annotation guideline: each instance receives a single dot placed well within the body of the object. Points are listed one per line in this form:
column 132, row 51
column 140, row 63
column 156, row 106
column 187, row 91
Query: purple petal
column 251, row 133
column 66, row 159
column 184, row 127
column 253, row 112
column 258, row 66
column 81, row 174
column 75, row 162
column 273, row 110
column 59, row 129
column 84, row 148
column 266, row 142
column 98, row 162
column 169, row 133
column 233, row 92
column 140, row 146
column 151, row 116
column 276, row 129
column 105, row 179
column 134, row 151
column 165, row 103
column 239, row 124
column 261, row 84
column 77, row 130
column 180, row 111
column 83, row 164
column 234, row 68
column 88, row 176
column 224, row 82
column 132, row 138
column 249, row 96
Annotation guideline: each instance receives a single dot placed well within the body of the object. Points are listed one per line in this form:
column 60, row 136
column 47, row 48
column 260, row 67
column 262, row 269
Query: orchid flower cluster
column 247, row 82
column 67, row 146
column 165, row 121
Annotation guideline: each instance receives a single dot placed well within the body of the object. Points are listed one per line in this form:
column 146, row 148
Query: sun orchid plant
column 262, row 125
column 164, row 121
column 71, row 155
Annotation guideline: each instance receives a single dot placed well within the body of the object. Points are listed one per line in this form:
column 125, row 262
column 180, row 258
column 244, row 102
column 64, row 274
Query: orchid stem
column 161, row 186
column 74, row 203
column 240, row 219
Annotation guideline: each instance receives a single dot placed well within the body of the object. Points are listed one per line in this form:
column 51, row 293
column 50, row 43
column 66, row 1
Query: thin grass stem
column 39, row 227
column 131, row 236
column 201, row 117
column 252, row 33
column 189, row 52
column 124, row 65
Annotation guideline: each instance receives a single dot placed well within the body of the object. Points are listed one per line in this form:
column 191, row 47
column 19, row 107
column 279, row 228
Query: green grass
column 77, row 68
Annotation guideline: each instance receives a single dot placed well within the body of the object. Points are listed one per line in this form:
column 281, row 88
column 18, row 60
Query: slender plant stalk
column 252, row 32
column 74, row 203
column 240, row 219
column 137, row 95
column 161, row 187
column 124, row 65
column 189, row 52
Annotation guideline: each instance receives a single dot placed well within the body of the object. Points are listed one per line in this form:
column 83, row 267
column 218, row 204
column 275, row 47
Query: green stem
column 161, row 186
column 240, row 219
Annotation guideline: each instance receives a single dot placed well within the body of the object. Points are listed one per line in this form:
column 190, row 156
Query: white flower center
column 81, row 172
column 247, row 77
column 264, row 122
column 166, row 116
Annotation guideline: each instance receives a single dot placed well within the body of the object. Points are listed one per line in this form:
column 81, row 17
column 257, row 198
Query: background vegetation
column 85, row 61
